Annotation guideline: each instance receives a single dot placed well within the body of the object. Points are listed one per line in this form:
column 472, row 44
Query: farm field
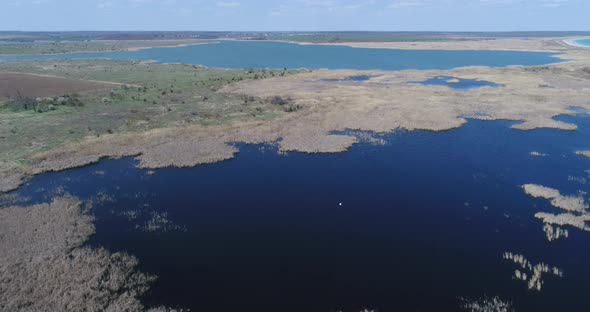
column 31, row 85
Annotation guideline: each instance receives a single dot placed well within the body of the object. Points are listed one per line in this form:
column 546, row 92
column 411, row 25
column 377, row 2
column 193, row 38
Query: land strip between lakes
column 184, row 115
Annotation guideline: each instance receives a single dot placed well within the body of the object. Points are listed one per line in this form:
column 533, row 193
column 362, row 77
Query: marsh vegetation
column 529, row 273
column 45, row 265
column 487, row 304
column 575, row 210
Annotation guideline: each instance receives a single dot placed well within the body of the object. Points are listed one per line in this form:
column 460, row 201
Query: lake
column 411, row 225
column 584, row 42
column 261, row 54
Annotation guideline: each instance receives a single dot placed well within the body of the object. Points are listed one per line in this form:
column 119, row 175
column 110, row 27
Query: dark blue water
column 358, row 78
column 252, row 54
column 458, row 83
column 266, row 232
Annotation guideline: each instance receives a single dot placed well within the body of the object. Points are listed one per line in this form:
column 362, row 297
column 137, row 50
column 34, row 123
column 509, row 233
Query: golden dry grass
column 568, row 203
column 563, row 219
column 487, row 304
column 499, row 44
column 44, row 266
column 575, row 207
column 531, row 273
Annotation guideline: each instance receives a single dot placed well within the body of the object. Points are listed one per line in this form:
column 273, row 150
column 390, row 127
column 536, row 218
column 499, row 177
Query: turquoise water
column 256, row 54
column 584, row 42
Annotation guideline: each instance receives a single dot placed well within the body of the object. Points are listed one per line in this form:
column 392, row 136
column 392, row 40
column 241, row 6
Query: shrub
column 293, row 108
column 248, row 99
column 73, row 100
column 116, row 95
column 21, row 102
column 26, row 103
column 278, row 100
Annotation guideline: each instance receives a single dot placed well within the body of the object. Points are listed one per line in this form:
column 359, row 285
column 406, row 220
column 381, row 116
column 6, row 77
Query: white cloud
column 553, row 3
column 232, row 4
column 406, row 3
column 518, row 4
column 307, row 7
column 104, row 4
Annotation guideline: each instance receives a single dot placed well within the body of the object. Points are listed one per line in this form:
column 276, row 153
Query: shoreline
column 573, row 43
column 212, row 141
column 560, row 54
column 468, row 45
column 511, row 44
column 166, row 47
column 131, row 49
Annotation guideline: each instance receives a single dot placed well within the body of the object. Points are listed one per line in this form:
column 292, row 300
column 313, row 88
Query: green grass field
column 155, row 96
column 82, row 44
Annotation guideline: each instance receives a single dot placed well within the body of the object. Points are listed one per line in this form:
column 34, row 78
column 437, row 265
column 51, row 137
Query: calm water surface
column 584, row 42
column 358, row 78
column 458, row 83
column 424, row 220
column 256, row 54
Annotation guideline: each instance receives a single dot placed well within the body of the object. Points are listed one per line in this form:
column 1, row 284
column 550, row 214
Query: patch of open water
column 359, row 78
column 407, row 226
column 458, row 83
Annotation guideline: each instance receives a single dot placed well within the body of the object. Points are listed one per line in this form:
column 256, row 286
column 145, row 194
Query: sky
column 296, row 15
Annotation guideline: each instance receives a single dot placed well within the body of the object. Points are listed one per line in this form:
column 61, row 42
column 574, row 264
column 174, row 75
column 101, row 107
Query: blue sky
column 393, row 15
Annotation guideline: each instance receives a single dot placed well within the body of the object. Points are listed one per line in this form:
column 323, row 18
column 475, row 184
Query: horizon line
column 309, row 31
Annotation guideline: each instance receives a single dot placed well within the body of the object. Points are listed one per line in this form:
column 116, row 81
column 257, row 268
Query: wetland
column 342, row 232
column 301, row 182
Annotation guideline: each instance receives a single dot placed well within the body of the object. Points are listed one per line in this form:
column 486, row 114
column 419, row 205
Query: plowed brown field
column 11, row 84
